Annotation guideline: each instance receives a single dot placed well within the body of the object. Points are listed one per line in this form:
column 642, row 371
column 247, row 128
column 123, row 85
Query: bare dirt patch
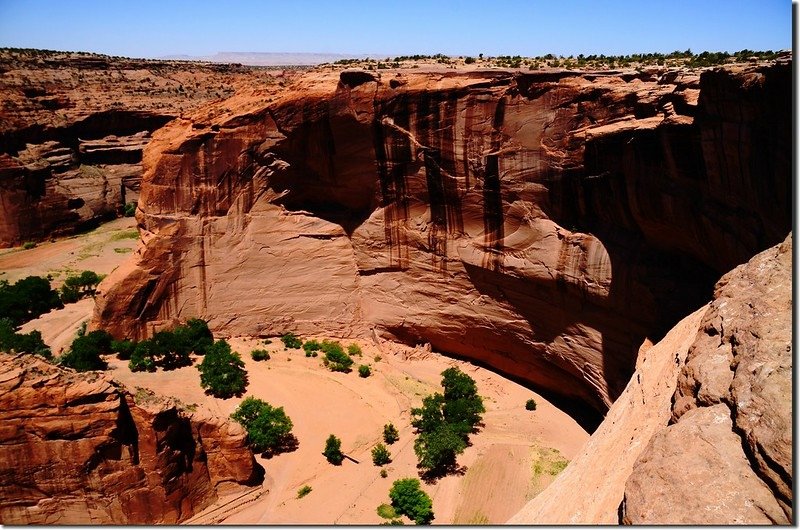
column 320, row 402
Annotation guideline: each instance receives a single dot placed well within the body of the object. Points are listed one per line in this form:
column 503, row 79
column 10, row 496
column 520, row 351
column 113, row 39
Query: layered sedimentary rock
column 544, row 223
column 78, row 449
column 72, row 129
column 702, row 434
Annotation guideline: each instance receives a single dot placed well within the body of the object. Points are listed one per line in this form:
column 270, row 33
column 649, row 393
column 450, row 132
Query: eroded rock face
column 543, row 223
column 78, row 449
column 702, row 433
column 728, row 447
column 72, row 129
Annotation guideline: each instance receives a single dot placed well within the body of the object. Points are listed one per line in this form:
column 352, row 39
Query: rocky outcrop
column 545, row 223
column 72, row 129
column 78, row 449
column 726, row 456
column 702, row 434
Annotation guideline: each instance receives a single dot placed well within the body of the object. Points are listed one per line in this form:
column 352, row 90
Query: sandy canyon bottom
column 513, row 457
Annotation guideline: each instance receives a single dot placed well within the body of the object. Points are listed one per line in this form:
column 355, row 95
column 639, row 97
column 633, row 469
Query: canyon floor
column 513, row 457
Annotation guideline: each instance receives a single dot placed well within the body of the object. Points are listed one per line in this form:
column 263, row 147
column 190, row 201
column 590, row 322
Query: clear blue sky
column 153, row 28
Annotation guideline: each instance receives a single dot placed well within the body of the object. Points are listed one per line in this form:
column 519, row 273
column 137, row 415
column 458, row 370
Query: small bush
column 384, row 473
column 335, row 357
column 290, row 340
column 386, row 510
column 130, row 209
column 302, row 492
column 377, row 358
column 390, row 434
column 354, row 349
column 333, row 450
column 29, row 245
column 409, row 499
column 530, row 404
column 260, row 355
column 380, row 455
column 222, row 371
column 143, row 358
column 364, row 371
column 268, row 428
column 311, row 345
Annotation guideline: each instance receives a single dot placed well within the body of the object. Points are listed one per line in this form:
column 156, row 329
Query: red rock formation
column 78, row 449
column 72, row 129
column 544, row 223
column 702, row 434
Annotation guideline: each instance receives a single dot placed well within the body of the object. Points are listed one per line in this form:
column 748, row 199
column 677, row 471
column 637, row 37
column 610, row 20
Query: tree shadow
column 431, row 476
column 288, row 444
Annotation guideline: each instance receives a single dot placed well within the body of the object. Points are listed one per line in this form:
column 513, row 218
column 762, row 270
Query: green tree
column 530, row 404
column 429, row 417
column 390, row 434
column 268, row 428
column 333, row 450
column 199, row 336
column 409, row 499
column 143, row 357
column 12, row 341
column 123, row 348
column 27, row 299
column 85, row 352
column 222, row 371
column 437, row 450
column 364, row 371
column 381, row 455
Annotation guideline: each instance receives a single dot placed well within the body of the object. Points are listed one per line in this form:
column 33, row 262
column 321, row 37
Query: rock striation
column 544, row 223
column 79, row 449
column 702, row 434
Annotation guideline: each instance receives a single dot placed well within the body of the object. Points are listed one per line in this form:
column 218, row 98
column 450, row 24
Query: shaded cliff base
column 702, row 434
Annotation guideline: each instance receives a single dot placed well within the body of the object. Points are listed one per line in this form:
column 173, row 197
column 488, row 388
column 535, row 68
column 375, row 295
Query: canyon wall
column 702, row 434
column 78, row 449
column 72, row 130
column 544, row 223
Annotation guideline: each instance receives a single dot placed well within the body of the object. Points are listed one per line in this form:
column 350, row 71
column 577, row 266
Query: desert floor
column 512, row 458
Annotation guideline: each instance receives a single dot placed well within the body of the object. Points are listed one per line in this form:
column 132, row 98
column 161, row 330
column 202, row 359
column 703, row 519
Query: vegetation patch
column 125, row 234
column 222, row 371
column 269, row 429
column 409, row 499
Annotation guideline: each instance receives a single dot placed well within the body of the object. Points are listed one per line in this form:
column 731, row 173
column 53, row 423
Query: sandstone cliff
column 72, row 129
column 703, row 432
column 78, row 449
column 544, row 223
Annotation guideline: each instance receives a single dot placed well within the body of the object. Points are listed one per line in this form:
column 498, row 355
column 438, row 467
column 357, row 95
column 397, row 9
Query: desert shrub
column 130, row 209
column 27, row 299
column 390, row 434
column 259, row 355
column 12, row 341
column 409, row 499
column 143, row 357
column 381, row 455
column 386, row 510
column 290, row 340
column 530, row 404
column 364, row 371
column 384, row 473
column 222, row 371
column 469, row 60
column 335, row 357
column 354, row 349
column 85, row 352
column 268, row 428
column 333, row 450
column 29, row 245
column 123, row 348
column 302, row 492
column 311, row 346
